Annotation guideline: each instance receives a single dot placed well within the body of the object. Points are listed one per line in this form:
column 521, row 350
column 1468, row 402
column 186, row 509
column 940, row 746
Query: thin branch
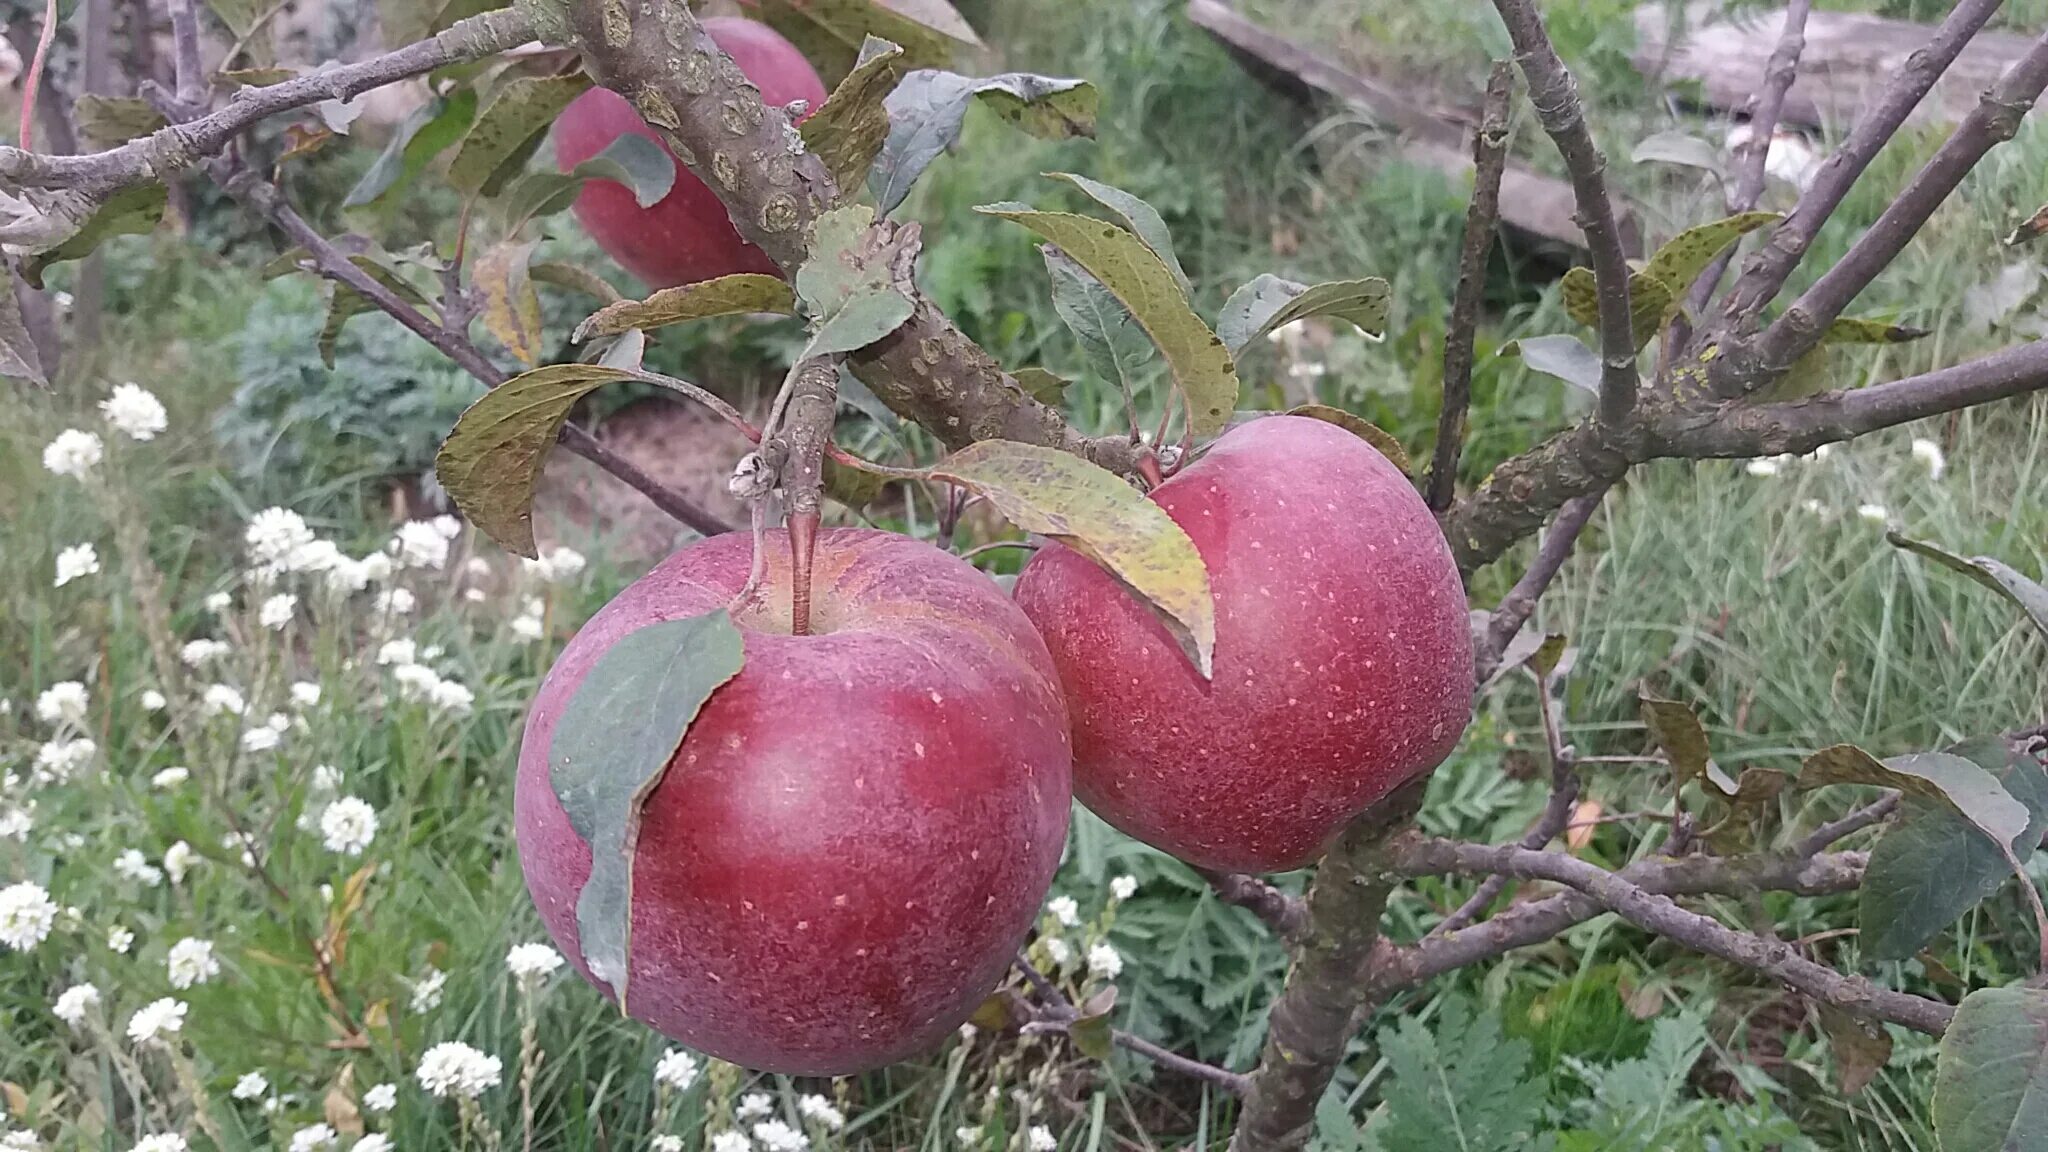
column 1055, row 1009
column 1659, row 914
column 1555, row 93
column 1802, row 325
column 1284, row 913
column 1825, row 836
column 1482, row 217
column 1519, row 604
column 1767, row 270
column 191, row 82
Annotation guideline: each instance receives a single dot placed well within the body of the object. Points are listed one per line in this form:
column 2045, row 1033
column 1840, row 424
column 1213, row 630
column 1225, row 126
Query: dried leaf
column 2026, row 595
column 1267, row 303
column 339, row 1107
column 612, row 747
column 848, row 130
column 511, row 306
column 1677, row 730
column 1851, row 330
column 1094, row 512
column 738, row 294
column 1862, row 1047
column 19, row 356
column 2031, row 228
column 831, row 32
column 576, row 278
column 1381, row 440
column 927, row 108
column 508, row 130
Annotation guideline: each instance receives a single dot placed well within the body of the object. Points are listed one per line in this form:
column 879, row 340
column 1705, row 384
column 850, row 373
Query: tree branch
column 1482, row 217
column 1825, row 836
column 1286, row 915
column 1057, row 1012
column 1764, row 108
column 1555, row 93
column 1519, row 604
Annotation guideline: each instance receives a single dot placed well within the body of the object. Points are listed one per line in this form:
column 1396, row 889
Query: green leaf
column 345, row 304
column 855, row 284
column 1649, row 301
column 430, row 130
column 2026, row 595
column 508, row 130
column 112, row 120
column 1093, row 511
column 1044, row 386
column 492, row 458
column 611, row 748
column 1381, row 440
column 1942, row 777
column 1097, row 319
column 830, row 32
column 854, row 487
column 1136, row 275
column 735, row 295
column 1538, row 649
column 1563, row 356
column 1850, row 330
column 1677, row 148
column 1683, row 257
column 511, row 307
column 1991, row 1078
column 131, row 211
column 847, row 131
column 1143, row 219
column 1267, row 302
column 642, row 165
column 1677, row 730
column 576, row 278
column 927, row 108
column 1464, row 1089
column 1932, row 866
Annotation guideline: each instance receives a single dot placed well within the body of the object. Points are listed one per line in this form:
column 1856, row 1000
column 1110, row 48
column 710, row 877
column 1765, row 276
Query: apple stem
column 803, row 543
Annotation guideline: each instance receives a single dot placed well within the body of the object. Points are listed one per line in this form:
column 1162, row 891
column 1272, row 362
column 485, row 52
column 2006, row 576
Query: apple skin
column 1343, row 659
column 858, row 829
column 686, row 236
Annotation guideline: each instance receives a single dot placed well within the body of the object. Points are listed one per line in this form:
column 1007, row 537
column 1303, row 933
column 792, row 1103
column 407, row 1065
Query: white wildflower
column 315, row 555
column 261, row 739
column 374, row 1142
column 162, row 1142
column 1761, row 467
column 731, row 1142
column 968, row 1135
column 17, row 821
column 382, row 1098
column 59, row 760
column 477, row 568
column 777, row 1136
column 1058, row 951
column 666, row 1143
column 1124, row 887
column 157, row 1022
column 153, row 700
column 676, row 1069
column 75, row 1003
column 968, row 1032
column 63, row 702
column 305, row 694
column 377, row 567
column 453, row 1068
column 1105, row 961
column 820, row 1111
column 120, row 940
column 396, row 601
column 19, row 1140
column 449, row 696
column 313, row 1139
column 348, row 826
column 397, row 652
column 527, row 627
column 532, row 961
column 346, row 576
column 415, row 681
column 556, row 566
column 170, row 778
column 276, row 612
column 133, row 865
column 178, row 860
column 326, row 778
column 76, row 563
column 197, row 653
column 191, row 962
column 134, row 412
column 1929, row 453
column 219, row 698
column 426, row 991
column 26, row 915
column 218, row 602
column 420, row 545
column 1876, row 513
column 73, row 453
column 1041, row 1139
column 753, row 1106
column 1064, row 910
column 252, row 1086
column 274, row 535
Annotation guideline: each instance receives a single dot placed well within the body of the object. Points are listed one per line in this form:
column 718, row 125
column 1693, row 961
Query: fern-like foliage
column 1463, row 1088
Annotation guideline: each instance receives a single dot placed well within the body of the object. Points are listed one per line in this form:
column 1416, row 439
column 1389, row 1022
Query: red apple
column 1343, row 664
column 859, row 827
column 687, row 236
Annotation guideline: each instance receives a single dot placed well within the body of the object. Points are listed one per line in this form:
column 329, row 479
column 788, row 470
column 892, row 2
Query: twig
column 1519, row 604
column 1555, row 93
column 34, row 80
column 1482, row 217
column 1823, row 837
column 185, row 53
column 1054, row 1008
column 1284, row 913
column 1767, row 270
column 256, row 26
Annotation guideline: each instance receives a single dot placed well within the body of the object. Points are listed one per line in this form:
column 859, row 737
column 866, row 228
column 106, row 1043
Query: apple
column 686, row 236
column 1343, row 663
column 858, row 829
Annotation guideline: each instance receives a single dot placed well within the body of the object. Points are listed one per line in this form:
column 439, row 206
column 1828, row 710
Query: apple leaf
column 1991, row 1077
column 2031, row 228
column 576, row 278
column 1942, row 777
column 112, row 120
column 735, row 295
column 1677, row 148
column 1143, row 219
column 508, row 130
column 20, row 359
column 1138, row 278
column 1538, row 649
column 632, row 160
column 1097, row 319
column 1044, row 385
column 1683, row 257
column 1563, row 356
column 1677, row 730
column 1853, row 330
column 856, row 283
column 830, row 32
column 428, row 131
column 852, row 486
column 511, row 306
column 2026, row 595
column 1649, row 301
column 1932, row 866
column 611, row 748
column 492, row 458
column 1090, row 1029
column 1267, row 303
column 847, row 131
column 1381, row 440
column 1094, row 512
column 131, row 211
column 344, row 303
column 927, row 108
column 1862, row 1047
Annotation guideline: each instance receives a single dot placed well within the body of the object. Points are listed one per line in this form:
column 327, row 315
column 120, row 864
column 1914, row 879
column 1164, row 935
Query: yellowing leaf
column 492, row 459
column 611, row 748
column 847, row 131
column 734, row 295
column 1138, row 278
column 1851, row 330
column 1683, row 257
column 1358, row 426
column 1649, row 301
column 1143, row 219
column 511, row 306
column 576, row 278
column 1267, row 302
column 1092, row 511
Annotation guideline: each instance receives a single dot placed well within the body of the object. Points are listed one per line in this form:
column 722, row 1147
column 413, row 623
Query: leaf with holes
column 1932, row 866
column 1942, row 777
column 511, row 306
column 1093, row 511
column 2027, row 595
column 112, row 120
column 856, row 283
column 1143, row 219
column 927, row 108
column 847, row 131
column 345, row 304
column 1563, row 356
column 1677, row 730
column 509, row 129
column 1679, row 148
column 611, row 748
column 131, row 211
column 429, row 130
column 739, row 294
column 1381, row 440
column 492, row 459
column 1991, row 1078
column 1135, row 274
column 1267, row 302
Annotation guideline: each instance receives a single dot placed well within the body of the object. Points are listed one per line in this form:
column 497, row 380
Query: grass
column 1787, row 627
